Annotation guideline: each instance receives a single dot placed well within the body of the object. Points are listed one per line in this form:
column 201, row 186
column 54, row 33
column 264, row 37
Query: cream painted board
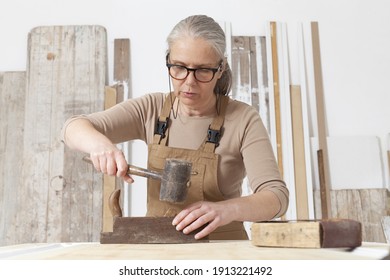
column 355, row 162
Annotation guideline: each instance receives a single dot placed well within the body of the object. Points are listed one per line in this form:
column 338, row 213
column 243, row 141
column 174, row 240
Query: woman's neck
column 206, row 110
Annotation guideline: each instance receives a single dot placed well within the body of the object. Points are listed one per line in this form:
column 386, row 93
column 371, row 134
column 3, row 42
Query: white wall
column 354, row 35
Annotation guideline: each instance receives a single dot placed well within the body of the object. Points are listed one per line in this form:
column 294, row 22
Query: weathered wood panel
column 12, row 99
column 66, row 74
column 367, row 206
column 241, row 69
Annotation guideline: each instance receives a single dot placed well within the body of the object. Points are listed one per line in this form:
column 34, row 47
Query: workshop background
column 57, row 57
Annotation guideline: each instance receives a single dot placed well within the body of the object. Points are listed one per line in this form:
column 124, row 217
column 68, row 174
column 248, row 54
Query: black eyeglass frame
column 214, row 70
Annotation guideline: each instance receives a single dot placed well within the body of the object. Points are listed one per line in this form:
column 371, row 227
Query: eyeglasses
column 203, row 75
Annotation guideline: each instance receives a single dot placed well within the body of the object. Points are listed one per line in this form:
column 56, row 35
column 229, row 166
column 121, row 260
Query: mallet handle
column 135, row 170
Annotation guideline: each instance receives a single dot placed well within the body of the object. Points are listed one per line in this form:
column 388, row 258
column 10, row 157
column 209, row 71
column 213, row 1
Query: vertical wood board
column 67, row 72
column 121, row 61
column 12, row 99
column 276, row 95
column 241, row 85
column 321, row 118
column 263, row 82
column 301, row 193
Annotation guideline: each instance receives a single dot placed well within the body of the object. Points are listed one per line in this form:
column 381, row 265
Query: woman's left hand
column 214, row 214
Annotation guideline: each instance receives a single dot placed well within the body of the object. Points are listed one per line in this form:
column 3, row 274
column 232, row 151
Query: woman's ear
column 222, row 68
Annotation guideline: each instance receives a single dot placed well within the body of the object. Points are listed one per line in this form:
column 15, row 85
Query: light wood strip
column 276, row 96
column 301, row 194
column 108, row 181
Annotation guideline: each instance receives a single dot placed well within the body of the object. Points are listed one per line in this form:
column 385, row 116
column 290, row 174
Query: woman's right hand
column 81, row 135
column 111, row 161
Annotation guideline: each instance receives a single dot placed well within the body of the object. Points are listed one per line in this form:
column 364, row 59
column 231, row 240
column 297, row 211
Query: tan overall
column 203, row 185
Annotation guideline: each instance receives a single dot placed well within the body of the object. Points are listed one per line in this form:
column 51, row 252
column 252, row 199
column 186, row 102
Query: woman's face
column 195, row 53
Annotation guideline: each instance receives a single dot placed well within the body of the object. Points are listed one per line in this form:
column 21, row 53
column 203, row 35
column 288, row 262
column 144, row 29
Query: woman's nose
column 191, row 78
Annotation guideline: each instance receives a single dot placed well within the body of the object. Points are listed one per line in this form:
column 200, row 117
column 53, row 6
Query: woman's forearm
column 260, row 206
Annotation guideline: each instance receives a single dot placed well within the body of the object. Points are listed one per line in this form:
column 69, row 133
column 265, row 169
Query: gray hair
column 201, row 26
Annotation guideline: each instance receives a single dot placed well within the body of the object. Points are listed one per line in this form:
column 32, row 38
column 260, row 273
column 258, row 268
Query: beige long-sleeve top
column 244, row 150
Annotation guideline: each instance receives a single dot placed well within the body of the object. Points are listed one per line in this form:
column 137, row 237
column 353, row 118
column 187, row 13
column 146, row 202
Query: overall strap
column 214, row 132
column 160, row 136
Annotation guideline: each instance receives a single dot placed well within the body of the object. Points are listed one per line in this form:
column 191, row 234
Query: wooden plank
column 321, row 119
column 62, row 194
column 122, row 81
column 301, row 194
column 324, row 190
column 110, row 97
column 241, row 86
column 12, row 100
column 270, row 85
column 388, row 160
column 276, row 96
column 109, row 182
column 121, row 61
column 262, row 80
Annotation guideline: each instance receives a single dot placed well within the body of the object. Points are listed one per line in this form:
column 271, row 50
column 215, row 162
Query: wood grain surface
column 214, row 250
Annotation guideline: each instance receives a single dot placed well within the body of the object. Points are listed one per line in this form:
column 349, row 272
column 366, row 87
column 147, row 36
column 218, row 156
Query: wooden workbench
column 217, row 250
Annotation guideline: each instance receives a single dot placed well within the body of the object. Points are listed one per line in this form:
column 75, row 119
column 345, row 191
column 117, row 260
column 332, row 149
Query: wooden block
column 145, row 230
column 332, row 233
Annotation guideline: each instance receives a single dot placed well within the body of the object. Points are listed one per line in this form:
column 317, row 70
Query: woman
column 224, row 139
